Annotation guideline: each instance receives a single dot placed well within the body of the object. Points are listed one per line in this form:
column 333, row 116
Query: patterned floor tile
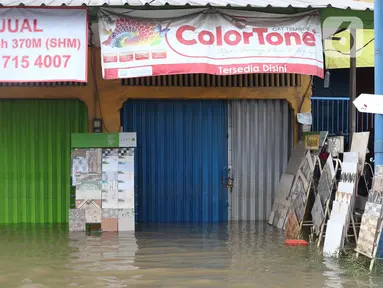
column 76, row 220
column 367, row 234
column 292, row 227
column 110, row 194
column 359, row 144
column 126, row 220
column 375, row 197
column 296, row 158
column 334, row 239
column 94, row 160
column 109, row 213
column 335, row 145
column 373, row 209
column 109, row 224
column 92, row 210
column 324, row 187
column 307, row 167
column 317, row 214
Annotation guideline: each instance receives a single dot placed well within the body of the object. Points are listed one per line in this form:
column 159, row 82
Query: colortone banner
column 43, row 44
column 213, row 41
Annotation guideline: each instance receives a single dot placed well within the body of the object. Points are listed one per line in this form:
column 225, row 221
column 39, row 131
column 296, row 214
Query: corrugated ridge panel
column 261, row 140
column 41, row 84
column 35, row 158
column 341, row 4
column 181, row 159
column 209, row 80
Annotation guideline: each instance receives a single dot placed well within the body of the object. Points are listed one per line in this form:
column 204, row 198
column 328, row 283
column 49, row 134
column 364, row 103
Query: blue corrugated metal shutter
column 181, row 161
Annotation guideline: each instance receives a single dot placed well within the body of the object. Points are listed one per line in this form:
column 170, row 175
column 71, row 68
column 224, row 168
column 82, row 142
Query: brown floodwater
column 239, row 254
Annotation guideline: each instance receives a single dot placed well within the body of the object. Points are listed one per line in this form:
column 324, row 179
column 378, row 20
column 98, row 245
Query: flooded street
column 240, row 254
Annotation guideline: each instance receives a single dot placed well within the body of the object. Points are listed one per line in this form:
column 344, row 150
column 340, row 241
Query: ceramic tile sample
column 296, row 158
column 334, row 239
column 110, row 194
column 350, row 157
column 88, row 186
column 127, row 154
column 359, row 144
column 368, row 234
column 126, row 178
column 109, row 213
column 375, row 197
column 299, row 206
column 110, row 176
column 126, row 199
column 307, row 167
column 78, row 153
column 373, row 209
column 109, row 160
column 126, row 220
column 76, row 220
column 298, row 195
column 324, row 187
column 283, row 211
column 94, row 160
column 322, row 138
column 283, row 193
column 300, row 186
column 109, row 224
column 335, row 145
column 92, row 210
column 292, row 227
column 317, row 214
column 377, row 181
column 79, row 166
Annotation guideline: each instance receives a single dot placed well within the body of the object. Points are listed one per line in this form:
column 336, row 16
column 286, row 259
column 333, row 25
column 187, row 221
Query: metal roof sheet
column 341, row 4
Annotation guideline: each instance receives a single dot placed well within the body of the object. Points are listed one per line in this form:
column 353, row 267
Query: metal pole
column 378, row 127
column 352, row 125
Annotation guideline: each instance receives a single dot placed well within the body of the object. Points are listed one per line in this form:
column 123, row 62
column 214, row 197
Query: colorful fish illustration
column 131, row 32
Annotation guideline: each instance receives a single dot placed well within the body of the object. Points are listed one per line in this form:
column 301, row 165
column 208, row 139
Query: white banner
column 213, row 41
column 43, row 44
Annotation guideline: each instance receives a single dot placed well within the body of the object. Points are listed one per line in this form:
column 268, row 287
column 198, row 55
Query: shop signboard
column 47, row 44
column 222, row 42
column 103, row 140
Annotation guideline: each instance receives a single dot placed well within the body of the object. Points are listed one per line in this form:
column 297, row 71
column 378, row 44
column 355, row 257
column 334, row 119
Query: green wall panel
column 35, row 158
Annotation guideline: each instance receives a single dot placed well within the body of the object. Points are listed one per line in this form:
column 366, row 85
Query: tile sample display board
column 370, row 228
column 104, row 181
column 342, row 208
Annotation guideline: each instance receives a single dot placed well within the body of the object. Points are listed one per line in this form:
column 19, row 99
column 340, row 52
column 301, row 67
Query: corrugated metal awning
column 340, row 4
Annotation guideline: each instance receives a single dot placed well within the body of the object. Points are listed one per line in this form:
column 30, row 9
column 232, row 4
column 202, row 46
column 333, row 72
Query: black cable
column 93, row 66
column 345, row 53
column 93, row 69
column 305, row 94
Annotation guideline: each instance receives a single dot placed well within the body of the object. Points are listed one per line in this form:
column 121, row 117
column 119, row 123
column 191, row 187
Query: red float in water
column 296, row 242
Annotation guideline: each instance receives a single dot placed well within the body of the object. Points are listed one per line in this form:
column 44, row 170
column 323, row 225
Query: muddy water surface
column 241, row 254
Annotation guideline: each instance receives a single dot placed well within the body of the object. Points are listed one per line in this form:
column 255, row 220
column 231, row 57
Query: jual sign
column 212, row 41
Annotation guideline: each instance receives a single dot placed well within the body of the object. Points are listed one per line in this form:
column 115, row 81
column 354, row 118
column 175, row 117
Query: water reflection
column 240, row 254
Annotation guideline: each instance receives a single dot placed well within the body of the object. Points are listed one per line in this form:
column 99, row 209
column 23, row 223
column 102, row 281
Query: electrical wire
column 93, row 69
column 305, row 94
column 93, row 66
column 345, row 53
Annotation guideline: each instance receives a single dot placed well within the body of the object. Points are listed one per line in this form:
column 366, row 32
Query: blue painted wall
column 181, row 159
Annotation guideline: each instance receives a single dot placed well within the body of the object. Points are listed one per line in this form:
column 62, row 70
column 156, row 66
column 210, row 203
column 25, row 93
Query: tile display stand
column 342, row 213
column 375, row 198
column 327, row 212
column 103, row 175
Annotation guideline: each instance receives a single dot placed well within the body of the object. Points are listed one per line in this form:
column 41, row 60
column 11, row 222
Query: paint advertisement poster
column 207, row 40
column 41, row 44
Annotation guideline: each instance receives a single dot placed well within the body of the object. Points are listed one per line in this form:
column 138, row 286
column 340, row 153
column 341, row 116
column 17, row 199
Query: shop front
column 210, row 148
